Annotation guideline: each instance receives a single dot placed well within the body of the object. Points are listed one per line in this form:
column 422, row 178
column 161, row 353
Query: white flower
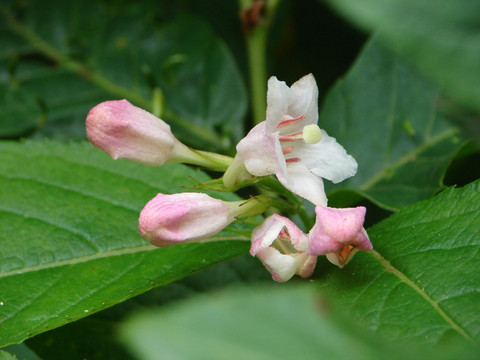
column 282, row 248
column 290, row 145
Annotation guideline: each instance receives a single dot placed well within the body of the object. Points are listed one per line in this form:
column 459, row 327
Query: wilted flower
column 339, row 234
column 184, row 217
column 290, row 145
column 283, row 248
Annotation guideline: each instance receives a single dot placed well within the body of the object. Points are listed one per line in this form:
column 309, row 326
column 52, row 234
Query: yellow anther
column 312, row 134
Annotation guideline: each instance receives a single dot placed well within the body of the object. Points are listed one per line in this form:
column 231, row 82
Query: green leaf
column 19, row 113
column 6, row 356
column 70, row 244
column 421, row 283
column 256, row 323
column 87, row 52
column 22, row 352
column 440, row 38
column 387, row 117
column 70, row 341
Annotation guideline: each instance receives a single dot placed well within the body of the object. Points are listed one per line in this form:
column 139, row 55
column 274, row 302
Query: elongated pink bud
column 123, row 130
column 178, row 218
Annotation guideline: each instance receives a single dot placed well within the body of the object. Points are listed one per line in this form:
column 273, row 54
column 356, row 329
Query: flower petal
column 259, row 151
column 305, row 100
column 304, row 183
column 278, row 99
column 282, row 267
column 307, row 267
column 268, row 231
column 336, row 229
column 327, row 159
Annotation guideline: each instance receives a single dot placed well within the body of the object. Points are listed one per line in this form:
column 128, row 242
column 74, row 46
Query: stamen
column 343, row 254
column 292, row 160
column 290, row 121
column 312, row 134
column 287, row 138
column 291, row 137
column 284, row 234
column 287, row 150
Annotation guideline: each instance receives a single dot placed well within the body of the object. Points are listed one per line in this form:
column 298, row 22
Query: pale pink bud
column 282, row 248
column 178, row 218
column 339, row 233
column 123, row 130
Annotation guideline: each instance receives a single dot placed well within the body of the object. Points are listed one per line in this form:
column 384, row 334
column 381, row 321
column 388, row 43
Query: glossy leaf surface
column 387, row 117
column 70, row 244
column 442, row 40
column 67, row 57
column 422, row 281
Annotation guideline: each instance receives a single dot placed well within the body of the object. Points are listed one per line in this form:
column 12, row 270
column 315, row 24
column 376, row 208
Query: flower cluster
column 288, row 144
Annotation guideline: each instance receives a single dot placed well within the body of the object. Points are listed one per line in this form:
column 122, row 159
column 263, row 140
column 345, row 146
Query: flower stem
column 256, row 41
column 217, row 162
column 249, row 208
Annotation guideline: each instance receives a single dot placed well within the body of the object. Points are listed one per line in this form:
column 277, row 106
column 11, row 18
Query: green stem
column 249, row 208
column 256, row 42
column 80, row 69
column 213, row 161
column 256, row 39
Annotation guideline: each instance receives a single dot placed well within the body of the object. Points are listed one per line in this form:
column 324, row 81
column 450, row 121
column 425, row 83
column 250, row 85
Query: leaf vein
column 390, row 268
column 56, row 225
column 79, row 260
column 73, row 190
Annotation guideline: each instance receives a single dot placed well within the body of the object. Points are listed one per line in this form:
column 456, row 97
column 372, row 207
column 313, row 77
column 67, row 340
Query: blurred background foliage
column 59, row 60
column 186, row 62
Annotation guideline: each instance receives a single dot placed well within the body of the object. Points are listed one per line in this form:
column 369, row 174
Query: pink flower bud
column 178, row 218
column 123, row 130
column 282, row 247
column 339, row 233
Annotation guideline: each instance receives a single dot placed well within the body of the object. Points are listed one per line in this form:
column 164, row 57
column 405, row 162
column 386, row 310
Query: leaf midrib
column 391, row 269
column 79, row 260
column 405, row 158
column 91, row 165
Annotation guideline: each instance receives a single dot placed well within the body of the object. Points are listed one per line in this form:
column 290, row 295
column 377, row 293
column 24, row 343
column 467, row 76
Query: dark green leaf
column 70, row 245
column 441, row 38
column 387, row 117
column 70, row 341
column 422, row 281
column 22, row 352
column 6, row 356
column 86, row 52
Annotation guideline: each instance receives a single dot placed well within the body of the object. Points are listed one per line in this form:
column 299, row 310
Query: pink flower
column 184, row 217
column 283, row 248
column 290, row 145
column 339, row 234
column 123, row 130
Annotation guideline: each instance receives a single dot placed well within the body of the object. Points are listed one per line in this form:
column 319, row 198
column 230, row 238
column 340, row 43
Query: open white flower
column 290, row 144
